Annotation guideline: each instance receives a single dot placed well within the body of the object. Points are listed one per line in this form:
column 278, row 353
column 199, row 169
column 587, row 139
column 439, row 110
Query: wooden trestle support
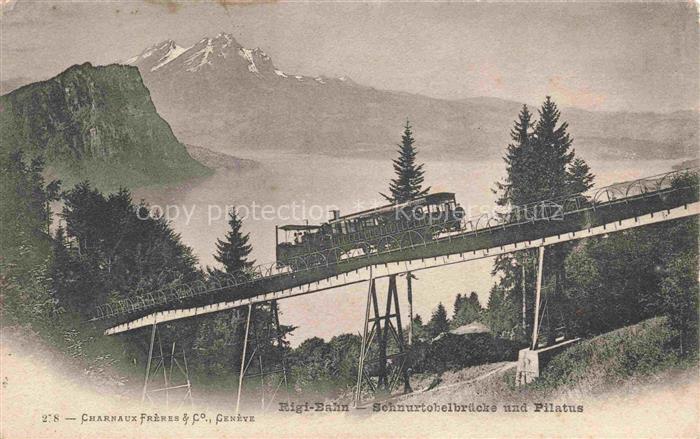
column 253, row 361
column 381, row 369
column 176, row 386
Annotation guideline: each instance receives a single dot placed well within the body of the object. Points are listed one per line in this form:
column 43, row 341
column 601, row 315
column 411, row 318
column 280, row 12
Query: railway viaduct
column 606, row 210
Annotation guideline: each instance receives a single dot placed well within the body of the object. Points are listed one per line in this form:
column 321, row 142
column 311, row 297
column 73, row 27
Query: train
column 369, row 231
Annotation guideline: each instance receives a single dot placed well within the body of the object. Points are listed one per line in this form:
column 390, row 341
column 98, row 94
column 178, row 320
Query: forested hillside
column 97, row 123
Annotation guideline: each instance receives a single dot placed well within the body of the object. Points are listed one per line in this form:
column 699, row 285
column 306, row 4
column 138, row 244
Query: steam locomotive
column 369, row 231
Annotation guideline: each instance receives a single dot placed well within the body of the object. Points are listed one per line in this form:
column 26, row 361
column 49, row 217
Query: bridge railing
column 408, row 238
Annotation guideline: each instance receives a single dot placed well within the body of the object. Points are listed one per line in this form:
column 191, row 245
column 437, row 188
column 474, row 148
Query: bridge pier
column 532, row 359
column 528, row 367
column 176, row 377
column 388, row 364
column 256, row 359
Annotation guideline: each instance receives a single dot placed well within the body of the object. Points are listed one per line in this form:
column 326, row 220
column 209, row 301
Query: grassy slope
column 624, row 362
column 635, row 353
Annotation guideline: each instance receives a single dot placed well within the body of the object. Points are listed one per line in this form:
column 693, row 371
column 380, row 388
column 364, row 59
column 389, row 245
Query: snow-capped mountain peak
column 221, row 56
column 157, row 55
column 222, row 50
column 173, row 52
column 149, row 52
column 201, row 56
column 224, row 96
column 250, row 55
column 226, row 40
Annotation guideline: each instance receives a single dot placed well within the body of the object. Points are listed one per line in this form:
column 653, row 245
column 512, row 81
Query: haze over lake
column 316, row 183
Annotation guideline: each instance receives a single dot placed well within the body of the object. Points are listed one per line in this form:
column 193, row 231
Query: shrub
column 452, row 352
column 642, row 349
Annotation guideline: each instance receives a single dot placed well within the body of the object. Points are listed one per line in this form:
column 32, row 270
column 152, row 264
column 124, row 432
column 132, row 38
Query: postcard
column 284, row 219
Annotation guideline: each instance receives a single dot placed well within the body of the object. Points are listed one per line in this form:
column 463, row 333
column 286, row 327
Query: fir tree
column 219, row 340
column 418, row 320
column 459, row 300
column 580, row 178
column 233, row 251
column 552, row 151
column 116, row 252
column 467, row 309
column 438, row 322
column 61, row 271
column 540, row 165
column 501, row 314
column 517, row 189
column 408, row 183
column 419, row 331
column 473, row 300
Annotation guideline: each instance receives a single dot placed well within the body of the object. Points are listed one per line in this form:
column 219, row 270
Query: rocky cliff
column 97, row 123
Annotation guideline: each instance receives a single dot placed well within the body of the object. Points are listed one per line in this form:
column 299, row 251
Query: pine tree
column 517, row 189
column 474, row 300
column 552, row 149
column 580, row 178
column 500, row 312
column 438, row 322
column 233, row 251
column 408, row 183
column 467, row 309
column 418, row 320
column 115, row 253
column 219, row 340
column 25, row 215
column 560, row 174
column 459, row 301
column 540, row 165
column 418, row 329
column 61, row 272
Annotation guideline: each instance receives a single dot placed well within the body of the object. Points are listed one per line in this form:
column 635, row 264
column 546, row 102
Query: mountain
column 220, row 94
column 97, row 123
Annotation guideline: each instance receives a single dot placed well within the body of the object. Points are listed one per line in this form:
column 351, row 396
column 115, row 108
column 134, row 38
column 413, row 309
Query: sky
column 596, row 56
